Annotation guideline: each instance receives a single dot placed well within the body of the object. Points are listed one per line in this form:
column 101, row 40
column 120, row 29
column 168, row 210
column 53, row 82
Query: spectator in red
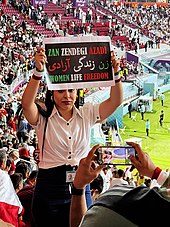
column 9, row 110
column 24, row 154
column 2, row 110
column 25, row 196
column 13, row 156
column 12, row 123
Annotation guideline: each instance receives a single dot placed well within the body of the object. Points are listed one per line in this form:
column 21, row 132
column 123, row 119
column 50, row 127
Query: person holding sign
column 63, row 132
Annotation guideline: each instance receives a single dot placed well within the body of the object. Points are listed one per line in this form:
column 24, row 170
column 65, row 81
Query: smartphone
column 115, row 155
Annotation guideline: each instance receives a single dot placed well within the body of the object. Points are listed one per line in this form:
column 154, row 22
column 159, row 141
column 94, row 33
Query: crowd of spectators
column 17, row 43
column 151, row 20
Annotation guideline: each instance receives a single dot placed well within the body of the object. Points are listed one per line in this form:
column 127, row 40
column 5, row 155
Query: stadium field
column 157, row 144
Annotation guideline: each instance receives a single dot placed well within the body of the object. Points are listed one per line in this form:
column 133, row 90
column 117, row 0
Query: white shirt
column 106, row 179
column 118, row 181
column 66, row 139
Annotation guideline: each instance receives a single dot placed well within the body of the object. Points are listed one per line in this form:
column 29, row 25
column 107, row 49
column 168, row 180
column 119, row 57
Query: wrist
column 118, row 80
column 77, row 191
column 38, row 73
column 36, row 77
column 38, row 70
column 117, row 73
column 156, row 173
column 117, row 76
column 78, row 184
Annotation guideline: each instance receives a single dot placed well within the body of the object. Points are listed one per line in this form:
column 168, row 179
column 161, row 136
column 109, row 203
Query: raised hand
column 142, row 161
column 40, row 59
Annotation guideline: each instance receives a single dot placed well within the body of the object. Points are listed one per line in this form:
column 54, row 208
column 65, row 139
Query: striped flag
column 10, row 205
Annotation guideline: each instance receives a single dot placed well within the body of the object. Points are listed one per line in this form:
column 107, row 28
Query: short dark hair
column 33, row 174
column 22, row 167
column 121, row 172
column 16, row 178
column 8, row 162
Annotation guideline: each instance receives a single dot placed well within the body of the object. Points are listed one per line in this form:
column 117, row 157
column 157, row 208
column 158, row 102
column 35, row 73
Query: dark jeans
column 20, row 136
column 51, row 200
column 147, row 132
column 160, row 122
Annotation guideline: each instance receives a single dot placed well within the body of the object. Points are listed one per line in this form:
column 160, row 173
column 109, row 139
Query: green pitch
column 157, row 145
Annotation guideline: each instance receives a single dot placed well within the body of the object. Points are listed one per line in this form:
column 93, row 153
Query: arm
column 142, row 161
column 89, row 171
column 5, row 224
column 77, row 210
column 28, row 99
column 146, row 167
column 116, row 93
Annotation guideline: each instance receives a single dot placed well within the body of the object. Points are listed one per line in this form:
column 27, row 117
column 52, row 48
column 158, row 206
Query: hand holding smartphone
column 115, row 155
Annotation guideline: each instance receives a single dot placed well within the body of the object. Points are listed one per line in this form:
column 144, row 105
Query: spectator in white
column 82, row 16
column 162, row 98
column 91, row 14
column 106, row 174
column 59, row 17
column 158, row 93
column 118, row 179
column 57, row 27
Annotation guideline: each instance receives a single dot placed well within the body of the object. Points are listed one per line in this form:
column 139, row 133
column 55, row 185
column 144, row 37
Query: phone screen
column 116, row 155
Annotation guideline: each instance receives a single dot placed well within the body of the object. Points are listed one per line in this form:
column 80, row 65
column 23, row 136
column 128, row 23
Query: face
column 65, row 99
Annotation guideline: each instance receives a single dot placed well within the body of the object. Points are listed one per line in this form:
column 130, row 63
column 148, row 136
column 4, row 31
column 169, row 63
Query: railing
column 150, row 68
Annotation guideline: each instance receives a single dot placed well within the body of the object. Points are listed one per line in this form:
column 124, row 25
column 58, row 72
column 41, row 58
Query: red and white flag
column 10, row 205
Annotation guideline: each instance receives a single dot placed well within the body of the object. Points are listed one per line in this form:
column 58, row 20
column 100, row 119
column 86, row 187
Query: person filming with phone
column 122, row 205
